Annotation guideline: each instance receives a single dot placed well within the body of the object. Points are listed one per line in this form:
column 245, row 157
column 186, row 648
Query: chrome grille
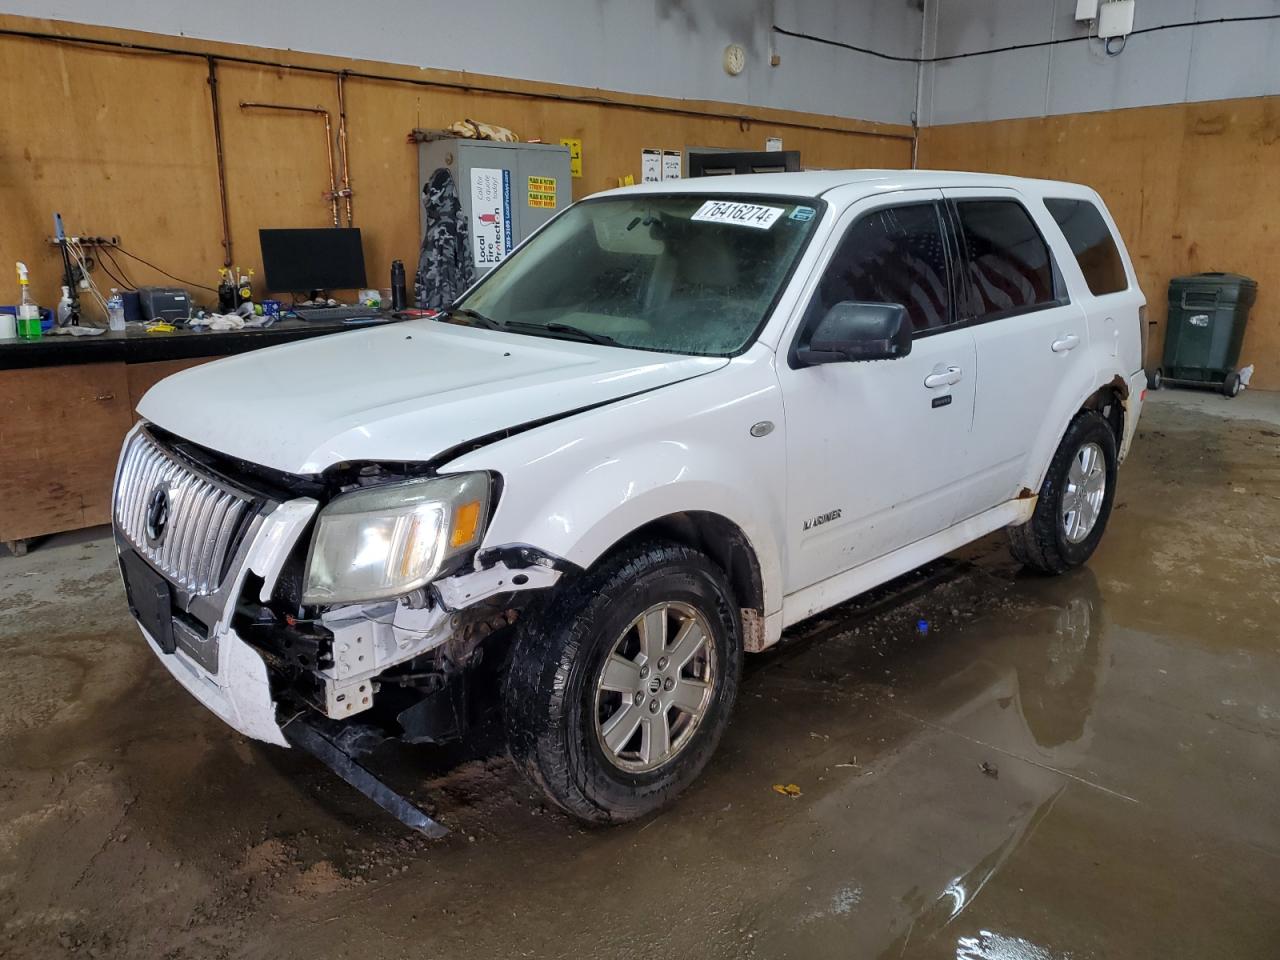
column 203, row 514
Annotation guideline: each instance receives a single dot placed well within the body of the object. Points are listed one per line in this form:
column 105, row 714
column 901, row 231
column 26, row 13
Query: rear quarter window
column 1091, row 241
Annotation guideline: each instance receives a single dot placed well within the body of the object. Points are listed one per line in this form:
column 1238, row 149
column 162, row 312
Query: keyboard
column 334, row 313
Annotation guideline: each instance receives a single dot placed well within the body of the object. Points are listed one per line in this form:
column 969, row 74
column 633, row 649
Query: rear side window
column 1091, row 241
column 1009, row 267
column 894, row 255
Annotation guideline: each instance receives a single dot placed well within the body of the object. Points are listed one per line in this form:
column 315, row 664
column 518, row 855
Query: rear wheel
column 1075, row 499
column 1231, row 386
column 1156, row 379
column 621, row 686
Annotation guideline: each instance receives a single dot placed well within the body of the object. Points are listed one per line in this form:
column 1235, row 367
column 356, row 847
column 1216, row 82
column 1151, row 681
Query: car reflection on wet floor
column 985, row 756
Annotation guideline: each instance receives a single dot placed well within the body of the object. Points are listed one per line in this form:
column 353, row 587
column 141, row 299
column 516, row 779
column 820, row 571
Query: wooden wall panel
column 121, row 142
column 60, row 430
column 115, row 142
column 1192, row 186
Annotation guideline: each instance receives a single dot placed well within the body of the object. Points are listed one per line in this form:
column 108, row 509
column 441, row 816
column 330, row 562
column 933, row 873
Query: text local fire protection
column 491, row 215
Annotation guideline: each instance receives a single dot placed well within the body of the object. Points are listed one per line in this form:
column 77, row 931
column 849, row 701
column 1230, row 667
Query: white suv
column 677, row 420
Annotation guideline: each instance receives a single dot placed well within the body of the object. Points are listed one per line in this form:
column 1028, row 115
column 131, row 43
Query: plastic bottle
column 399, row 295
column 65, row 308
column 244, row 288
column 115, row 311
column 28, row 312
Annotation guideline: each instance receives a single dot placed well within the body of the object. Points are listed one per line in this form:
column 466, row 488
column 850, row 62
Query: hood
column 403, row 392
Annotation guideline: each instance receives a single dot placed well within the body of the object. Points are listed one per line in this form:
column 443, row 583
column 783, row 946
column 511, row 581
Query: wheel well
column 1110, row 402
column 720, row 539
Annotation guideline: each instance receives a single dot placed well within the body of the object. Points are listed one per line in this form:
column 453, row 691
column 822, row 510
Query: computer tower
column 507, row 190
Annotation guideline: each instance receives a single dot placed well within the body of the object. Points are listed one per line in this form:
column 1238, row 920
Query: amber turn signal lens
column 466, row 522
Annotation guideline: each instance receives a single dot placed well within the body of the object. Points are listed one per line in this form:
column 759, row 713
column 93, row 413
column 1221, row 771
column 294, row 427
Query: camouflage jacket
column 444, row 263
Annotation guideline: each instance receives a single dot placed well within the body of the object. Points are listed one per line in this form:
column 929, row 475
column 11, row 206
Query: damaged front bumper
column 191, row 633
column 212, row 558
column 211, row 567
column 240, row 693
column 234, row 663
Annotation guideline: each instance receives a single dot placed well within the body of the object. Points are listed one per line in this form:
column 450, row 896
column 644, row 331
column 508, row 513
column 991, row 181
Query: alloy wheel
column 655, row 687
column 1085, row 490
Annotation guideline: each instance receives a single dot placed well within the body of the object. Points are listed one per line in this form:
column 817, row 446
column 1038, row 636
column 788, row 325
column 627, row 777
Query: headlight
column 385, row 541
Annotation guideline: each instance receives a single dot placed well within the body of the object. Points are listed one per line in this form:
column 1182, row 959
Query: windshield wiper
column 564, row 328
column 479, row 318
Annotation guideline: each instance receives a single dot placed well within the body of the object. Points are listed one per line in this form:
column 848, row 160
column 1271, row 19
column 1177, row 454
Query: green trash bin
column 1207, row 316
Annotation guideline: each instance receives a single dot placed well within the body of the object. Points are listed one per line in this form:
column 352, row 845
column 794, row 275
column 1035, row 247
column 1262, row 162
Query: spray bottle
column 66, row 308
column 28, row 312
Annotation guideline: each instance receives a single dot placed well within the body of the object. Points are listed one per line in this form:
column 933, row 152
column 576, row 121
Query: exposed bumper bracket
column 305, row 736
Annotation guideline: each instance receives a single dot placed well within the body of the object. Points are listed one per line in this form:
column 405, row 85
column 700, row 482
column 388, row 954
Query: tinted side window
column 1009, row 269
column 894, row 255
column 1091, row 241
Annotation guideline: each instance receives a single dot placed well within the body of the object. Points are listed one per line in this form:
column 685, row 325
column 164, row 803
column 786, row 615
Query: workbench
column 66, row 404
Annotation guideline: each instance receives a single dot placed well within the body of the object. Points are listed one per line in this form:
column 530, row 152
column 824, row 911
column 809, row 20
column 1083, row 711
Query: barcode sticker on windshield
column 742, row 214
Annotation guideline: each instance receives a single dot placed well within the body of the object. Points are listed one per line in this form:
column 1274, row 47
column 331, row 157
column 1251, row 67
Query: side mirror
column 859, row 331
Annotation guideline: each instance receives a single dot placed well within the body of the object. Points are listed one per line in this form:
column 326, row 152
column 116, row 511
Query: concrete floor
column 1080, row 767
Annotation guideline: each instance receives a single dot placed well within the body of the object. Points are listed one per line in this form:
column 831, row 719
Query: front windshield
column 693, row 274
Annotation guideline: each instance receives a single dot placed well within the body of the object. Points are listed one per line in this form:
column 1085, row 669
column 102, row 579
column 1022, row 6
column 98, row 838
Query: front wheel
column 622, row 684
column 1075, row 499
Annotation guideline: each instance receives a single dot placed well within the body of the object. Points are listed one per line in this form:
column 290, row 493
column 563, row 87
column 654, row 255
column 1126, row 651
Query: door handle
column 1063, row 344
column 943, row 378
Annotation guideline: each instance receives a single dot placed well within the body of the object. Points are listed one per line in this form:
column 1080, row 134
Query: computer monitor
column 299, row 261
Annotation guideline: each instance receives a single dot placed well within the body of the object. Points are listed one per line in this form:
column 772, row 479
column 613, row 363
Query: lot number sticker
column 740, row 214
column 490, row 215
column 542, row 192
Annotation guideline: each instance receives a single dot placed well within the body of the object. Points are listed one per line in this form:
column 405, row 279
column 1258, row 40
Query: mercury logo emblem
column 157, row 514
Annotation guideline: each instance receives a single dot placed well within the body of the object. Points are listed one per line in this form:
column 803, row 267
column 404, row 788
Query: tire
column 1231, row 386
column 1156, row 379
column 1050, row 541
column 557, row 716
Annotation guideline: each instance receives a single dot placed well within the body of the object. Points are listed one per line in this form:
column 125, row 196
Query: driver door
column 878, row 451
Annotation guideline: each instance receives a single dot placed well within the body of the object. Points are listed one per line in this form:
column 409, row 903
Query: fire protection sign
column 491, row 225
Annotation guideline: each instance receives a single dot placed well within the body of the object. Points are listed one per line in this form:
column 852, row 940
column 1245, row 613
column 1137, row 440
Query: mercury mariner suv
column 678, row 419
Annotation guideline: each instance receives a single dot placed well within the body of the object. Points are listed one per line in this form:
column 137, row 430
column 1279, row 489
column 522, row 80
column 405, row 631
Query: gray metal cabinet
column 507, row 190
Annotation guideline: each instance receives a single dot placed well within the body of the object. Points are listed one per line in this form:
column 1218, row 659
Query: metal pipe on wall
column 222, row 166
column 332, row 195
column 342, row 145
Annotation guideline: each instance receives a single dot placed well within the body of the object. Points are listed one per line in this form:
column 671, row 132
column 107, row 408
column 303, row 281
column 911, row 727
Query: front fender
column 607, row 510
column 575, row 487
